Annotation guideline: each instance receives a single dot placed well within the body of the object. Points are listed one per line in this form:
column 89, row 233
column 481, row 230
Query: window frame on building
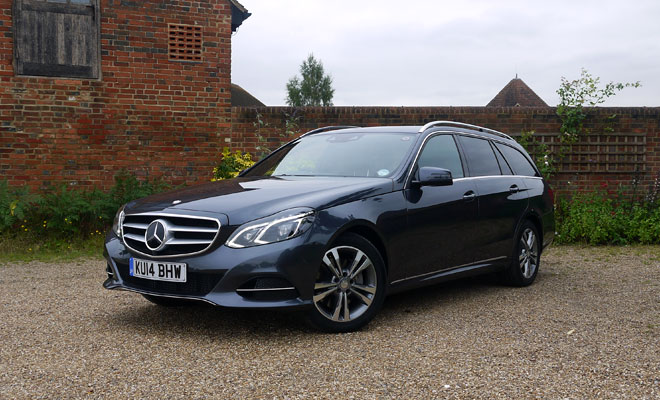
column 45, row 33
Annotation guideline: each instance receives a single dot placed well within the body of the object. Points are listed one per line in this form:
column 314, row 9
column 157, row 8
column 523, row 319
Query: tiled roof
column 241, row 98
column 238, row 14
column 517, row 94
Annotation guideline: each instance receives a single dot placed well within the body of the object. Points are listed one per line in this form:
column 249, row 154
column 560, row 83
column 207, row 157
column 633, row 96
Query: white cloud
column 385, row 52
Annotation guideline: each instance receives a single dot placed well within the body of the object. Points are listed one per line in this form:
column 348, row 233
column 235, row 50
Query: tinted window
column 480, row 157
column 440, row 151
column 504, row 166
column 516, row 160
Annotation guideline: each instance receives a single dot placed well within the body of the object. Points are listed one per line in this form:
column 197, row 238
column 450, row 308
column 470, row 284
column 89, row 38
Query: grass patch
column 24, row 248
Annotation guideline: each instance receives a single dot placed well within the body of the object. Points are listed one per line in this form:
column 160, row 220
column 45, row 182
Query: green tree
column 315, row 87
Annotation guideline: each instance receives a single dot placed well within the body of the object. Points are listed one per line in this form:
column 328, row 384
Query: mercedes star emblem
column 156, row 235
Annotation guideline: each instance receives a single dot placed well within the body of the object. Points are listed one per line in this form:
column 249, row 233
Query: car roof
column 415, row 130
column 373, row 129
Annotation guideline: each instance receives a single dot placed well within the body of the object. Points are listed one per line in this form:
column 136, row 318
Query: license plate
column 157, row 270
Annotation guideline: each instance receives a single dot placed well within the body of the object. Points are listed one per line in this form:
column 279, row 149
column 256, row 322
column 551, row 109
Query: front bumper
column 278, row 275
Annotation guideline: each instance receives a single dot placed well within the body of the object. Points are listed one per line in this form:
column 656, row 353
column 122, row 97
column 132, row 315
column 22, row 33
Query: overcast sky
column 441, row 53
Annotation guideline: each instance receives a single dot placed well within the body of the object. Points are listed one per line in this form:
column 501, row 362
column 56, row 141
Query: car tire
column 168, row 301
column 526, row 259
column 348, row 292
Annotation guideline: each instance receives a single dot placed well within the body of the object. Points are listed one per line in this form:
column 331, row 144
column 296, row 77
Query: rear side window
column 480, row 157
column 517, row 161
column 504, row 166
column 440, row 151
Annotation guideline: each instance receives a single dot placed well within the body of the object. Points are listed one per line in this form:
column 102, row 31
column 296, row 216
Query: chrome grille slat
column 188, row 234
column 136, row 226
column 176, row 228
column 132, row 236
column 188, row 241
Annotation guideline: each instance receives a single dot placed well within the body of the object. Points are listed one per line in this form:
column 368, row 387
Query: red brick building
column 88, row 87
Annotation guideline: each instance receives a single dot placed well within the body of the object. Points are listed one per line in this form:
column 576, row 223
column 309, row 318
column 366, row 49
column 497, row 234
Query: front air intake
column 168, row 235
column 268, row 289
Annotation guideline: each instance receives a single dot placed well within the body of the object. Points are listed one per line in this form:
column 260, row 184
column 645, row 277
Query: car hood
column 245, row 199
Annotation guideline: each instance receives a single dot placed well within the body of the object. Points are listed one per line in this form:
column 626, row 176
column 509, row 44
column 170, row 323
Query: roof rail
column 328, row 128
column 462, row 125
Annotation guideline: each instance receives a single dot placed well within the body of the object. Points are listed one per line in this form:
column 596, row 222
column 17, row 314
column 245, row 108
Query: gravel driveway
column 588, row 328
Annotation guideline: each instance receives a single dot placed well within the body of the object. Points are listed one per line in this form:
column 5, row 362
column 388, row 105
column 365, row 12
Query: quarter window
column 480, row 157
column 440, row 151
column 518, row 162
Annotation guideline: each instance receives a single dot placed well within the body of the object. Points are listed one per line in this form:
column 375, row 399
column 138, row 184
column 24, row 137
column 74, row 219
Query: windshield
column 339, row 154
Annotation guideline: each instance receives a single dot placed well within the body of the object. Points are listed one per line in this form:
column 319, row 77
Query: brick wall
column 169, row 119
column 622, row 142
column 152, row 116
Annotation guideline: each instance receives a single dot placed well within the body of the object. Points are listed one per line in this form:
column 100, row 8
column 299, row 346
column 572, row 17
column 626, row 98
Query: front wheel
column 526, row 259
column 349, row 287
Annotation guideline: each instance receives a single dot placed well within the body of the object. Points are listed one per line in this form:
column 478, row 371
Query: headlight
column 276, row 228
column 119, row 219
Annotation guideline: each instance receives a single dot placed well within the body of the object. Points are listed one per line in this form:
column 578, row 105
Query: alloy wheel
column 346, row 285
column 529, row 253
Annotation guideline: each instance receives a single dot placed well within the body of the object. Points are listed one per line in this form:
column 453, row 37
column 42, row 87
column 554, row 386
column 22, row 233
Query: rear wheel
column 349, row 287
column 526, row 259
column 168, row 301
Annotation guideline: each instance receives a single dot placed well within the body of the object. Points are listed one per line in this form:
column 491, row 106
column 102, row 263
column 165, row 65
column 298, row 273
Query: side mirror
column 432, row 176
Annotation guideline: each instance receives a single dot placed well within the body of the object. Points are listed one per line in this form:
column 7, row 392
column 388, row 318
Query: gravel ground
column 588, row 328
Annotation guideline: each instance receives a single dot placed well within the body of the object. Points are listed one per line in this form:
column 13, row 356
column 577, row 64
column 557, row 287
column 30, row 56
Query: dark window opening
column 58, row 38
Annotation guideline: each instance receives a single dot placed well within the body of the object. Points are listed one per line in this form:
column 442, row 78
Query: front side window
column 440, row 151
column 58, row 38
column 339, row 154
column 480, row 157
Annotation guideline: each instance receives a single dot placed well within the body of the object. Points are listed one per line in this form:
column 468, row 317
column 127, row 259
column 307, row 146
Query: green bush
column 598, row 218
column 14, row 204
column 127, row 187
column 67, row 211
column 231, row 164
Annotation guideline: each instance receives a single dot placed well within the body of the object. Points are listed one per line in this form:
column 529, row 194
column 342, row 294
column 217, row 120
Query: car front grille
column 197, row 283
column 184, row 235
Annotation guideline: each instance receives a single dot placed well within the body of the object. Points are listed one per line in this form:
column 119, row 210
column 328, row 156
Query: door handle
column 514, row 189
column 469, row 196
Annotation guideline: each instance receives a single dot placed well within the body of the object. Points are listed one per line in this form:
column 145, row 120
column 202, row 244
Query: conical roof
column 517, row 94
column 242, row 98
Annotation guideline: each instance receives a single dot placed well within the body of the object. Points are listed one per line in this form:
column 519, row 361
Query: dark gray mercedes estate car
column 335, row 220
